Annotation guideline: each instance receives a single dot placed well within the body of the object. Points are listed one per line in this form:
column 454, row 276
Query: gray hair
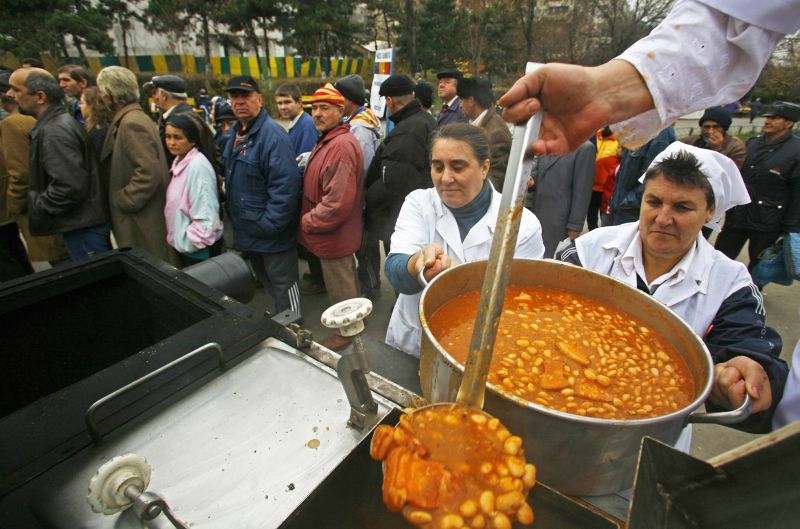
column 183, row 96
column 119, row 84
column 403, row 100
column 44, row 82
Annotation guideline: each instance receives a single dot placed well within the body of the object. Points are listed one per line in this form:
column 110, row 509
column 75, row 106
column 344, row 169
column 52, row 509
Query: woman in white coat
column 449, row 224
column 665, row 255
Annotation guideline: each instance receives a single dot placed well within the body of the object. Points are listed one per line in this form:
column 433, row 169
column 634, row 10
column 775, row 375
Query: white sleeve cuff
column 696, row 58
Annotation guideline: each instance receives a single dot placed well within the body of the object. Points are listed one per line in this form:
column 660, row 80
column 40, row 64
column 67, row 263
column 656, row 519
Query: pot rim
column 701, row 392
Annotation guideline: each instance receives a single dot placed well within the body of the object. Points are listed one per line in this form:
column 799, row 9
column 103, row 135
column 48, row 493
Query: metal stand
column 352, row 368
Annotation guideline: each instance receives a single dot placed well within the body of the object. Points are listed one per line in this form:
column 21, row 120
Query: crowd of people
column 81, row 162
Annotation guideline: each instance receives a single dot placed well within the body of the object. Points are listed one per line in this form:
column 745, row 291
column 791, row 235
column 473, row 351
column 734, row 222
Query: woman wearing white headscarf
column 665, row 255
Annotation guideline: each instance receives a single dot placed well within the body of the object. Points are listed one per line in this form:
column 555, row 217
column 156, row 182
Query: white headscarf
column 723, row 175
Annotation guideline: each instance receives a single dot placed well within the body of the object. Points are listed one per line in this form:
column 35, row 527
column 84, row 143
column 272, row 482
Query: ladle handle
column 501, row 257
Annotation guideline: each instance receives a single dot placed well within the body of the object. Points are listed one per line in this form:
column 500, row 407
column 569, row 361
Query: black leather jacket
column 771, row 173
column 65, row 192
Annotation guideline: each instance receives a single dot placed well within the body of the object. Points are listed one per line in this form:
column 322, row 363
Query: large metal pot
column 574, row 454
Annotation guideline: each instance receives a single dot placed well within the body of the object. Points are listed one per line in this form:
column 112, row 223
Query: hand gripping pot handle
column 725, row 417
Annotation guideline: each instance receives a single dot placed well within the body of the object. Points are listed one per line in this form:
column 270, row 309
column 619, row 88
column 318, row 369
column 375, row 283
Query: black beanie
column 718, row 114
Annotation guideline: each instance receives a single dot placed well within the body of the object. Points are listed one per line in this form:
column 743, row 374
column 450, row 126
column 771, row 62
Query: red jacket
column 333, row 187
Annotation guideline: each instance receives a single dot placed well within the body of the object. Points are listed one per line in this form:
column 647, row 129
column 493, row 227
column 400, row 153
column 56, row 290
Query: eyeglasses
column 711, row 127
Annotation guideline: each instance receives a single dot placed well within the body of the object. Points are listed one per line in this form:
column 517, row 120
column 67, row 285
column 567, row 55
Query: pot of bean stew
column 584, row 367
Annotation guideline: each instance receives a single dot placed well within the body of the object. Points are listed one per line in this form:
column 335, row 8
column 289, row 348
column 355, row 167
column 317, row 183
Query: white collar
column 632, row 260
column 480, row 117
column 692, row 271
column 450, row 103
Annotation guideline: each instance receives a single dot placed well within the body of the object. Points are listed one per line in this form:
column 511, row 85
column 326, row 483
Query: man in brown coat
column 477, row 102
column 714, row 126
column 134, row 165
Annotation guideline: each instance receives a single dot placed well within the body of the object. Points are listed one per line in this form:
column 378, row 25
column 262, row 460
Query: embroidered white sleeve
column 696, row 58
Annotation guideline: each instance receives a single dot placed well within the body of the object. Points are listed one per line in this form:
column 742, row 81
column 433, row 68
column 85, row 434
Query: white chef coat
column 424, row 219
column 705, row 53
column 694, row 289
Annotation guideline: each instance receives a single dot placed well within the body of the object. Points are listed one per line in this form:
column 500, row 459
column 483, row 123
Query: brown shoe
column 335, row 342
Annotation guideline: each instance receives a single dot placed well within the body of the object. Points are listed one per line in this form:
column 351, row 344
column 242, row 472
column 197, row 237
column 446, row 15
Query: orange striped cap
column 328, row 94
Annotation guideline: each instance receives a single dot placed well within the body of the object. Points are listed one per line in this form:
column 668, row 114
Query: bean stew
column 573, row 354
column 450, row 466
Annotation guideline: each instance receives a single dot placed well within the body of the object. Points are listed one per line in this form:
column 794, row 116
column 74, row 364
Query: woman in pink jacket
column 192, row 205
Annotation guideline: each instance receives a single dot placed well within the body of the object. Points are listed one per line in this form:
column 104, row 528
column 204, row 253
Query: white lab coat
column 423, row 220
column 700, row 57
column 694, row 290
column 696, row 287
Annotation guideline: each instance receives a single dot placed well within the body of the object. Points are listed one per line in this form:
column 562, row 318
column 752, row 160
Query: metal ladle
column 501, row 256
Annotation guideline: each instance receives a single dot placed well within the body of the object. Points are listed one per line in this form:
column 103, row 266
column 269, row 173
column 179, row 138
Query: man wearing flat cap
column 401, row 164
column 771, row 173
column 714, row 125
column 331, row 215
column 263, row 187
column 451, row 111
column 169, row 94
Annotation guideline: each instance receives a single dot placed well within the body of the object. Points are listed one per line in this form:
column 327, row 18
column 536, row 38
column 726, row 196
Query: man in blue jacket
column 263, row 187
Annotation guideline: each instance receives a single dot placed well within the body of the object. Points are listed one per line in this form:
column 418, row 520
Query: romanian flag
column 383, row 67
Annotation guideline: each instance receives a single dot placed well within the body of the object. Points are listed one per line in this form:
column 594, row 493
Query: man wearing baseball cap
column 714, row 125
column 331, row 212
column 169, row 94
column 451, row 111
column 771, row 172
column 263, row 187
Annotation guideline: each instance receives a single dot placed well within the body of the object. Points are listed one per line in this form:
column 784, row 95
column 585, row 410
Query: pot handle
column 725, row 417
column 421, row 278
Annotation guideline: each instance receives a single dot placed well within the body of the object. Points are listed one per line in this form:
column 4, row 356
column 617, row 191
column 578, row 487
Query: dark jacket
column 333, row 186
column 451, row 114
column 401, row 165
column 263, row 186
column 562, row 189
column 627, row 197
column 64, row 190
column 499, row 145
column 771, row 173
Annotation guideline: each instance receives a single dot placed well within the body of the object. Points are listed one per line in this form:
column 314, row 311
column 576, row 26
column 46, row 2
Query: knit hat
column 718, row 114
column 396, row 85
column 328, row 94
column 352, row 88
